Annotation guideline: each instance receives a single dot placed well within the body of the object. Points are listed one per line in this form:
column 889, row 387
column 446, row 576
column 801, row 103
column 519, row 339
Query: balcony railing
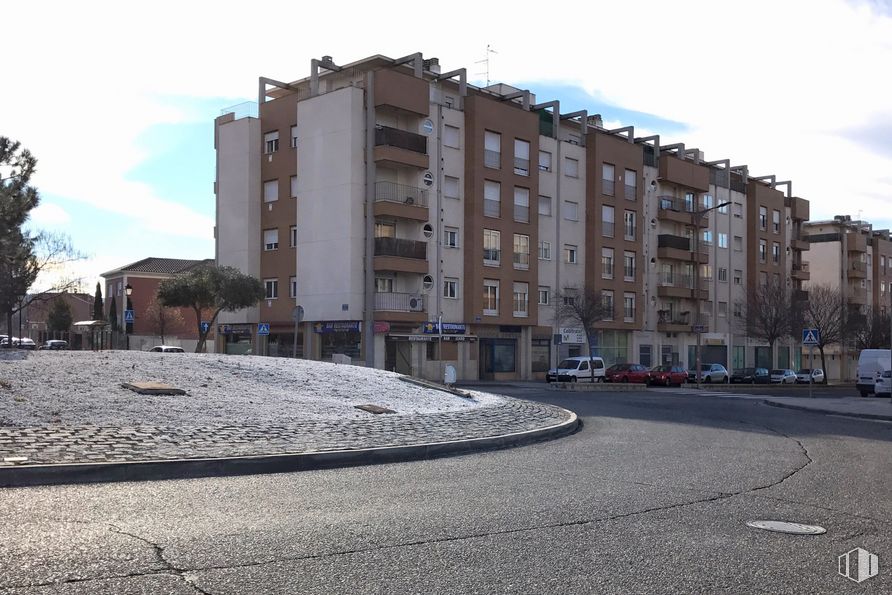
column 671, row 241
column 403, row 139
column 670, row 317
column 401, row 248
column 522, row 260
column 492, row 159
column 676, row 280
column 400, row 193
column 521, row 166
column 492, row 256
column 670, row 203
column 607, row 187
column 859, row 266
column 399, row 302
column 492, row 208
column 800, row 266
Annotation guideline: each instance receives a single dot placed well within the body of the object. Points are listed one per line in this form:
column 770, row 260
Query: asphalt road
column 650, row 496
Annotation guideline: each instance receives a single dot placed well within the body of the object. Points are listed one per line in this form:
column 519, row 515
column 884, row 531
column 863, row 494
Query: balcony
column 667, row 322
column 397, row 147
column 684, row 173
column 799, row 244
column 800, row 271
column 799, row 208
column 679, row 248
column 857, row 269
column 679, row 286
column 397, row 254
column 856, row 242
column 398, row 200
column 402, row 92
column 858, row 296
column 677, row 210
column 799, row 296
column 400, row 307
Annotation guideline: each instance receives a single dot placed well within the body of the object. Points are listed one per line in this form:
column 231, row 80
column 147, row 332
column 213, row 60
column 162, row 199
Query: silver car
column 783, row 376
column 710, row 374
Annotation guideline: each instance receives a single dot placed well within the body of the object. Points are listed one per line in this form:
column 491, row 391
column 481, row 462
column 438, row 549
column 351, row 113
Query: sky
column 117, row 100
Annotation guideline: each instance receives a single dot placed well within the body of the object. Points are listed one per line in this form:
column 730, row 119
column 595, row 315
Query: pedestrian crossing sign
column 811, row 336
column 263, row 328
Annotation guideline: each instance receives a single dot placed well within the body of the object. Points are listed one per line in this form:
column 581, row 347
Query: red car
column 667, row 375
column 626, row 373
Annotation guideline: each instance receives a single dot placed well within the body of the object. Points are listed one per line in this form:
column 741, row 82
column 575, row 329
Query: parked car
column 20, row 343
column 710, row 373
column 574, row 369
column 883, row 384
column 750, row 376
column 871, row 362
column 167, row 349
column 626, row 373
column 666, row 375
column 816, row 376
column 783, row 376
column 54, row 344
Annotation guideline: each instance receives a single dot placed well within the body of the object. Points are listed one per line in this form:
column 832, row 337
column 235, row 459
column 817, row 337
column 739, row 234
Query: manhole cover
column 785, row 527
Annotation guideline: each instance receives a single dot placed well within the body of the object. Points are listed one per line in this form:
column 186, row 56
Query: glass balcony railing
column 400, row 247
column 403, row 139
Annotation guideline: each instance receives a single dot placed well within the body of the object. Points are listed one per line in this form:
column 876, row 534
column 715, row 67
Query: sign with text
column 574, row 336
column 337, row 326
column 449, row 328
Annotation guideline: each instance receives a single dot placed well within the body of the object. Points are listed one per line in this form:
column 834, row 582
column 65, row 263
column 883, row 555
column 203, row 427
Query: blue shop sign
column 449, row 328
column 338, row 326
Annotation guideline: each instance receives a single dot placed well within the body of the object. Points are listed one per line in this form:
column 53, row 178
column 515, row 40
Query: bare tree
column 825, row 311
column 870, row 330
column 585, row 308
column 161, row 318
column 768, row 314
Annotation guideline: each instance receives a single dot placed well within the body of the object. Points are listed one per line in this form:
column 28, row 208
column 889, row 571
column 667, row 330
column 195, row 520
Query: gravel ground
column 82, row 387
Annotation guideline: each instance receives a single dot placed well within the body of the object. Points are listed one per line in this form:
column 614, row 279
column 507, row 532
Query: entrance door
column 398, row 356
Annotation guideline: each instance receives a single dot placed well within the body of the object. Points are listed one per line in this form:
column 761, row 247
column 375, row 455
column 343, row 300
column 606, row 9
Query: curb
column 80, row 473
column 596, row 387
column 827, row 411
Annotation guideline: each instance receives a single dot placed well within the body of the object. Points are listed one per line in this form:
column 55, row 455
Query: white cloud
column 48, row 214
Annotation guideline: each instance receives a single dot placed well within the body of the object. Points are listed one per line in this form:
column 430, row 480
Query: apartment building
column 431, row 222
column 857, row 261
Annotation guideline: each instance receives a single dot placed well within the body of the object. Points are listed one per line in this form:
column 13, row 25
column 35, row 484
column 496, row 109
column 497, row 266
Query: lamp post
column 128, row 326
column 698, row 327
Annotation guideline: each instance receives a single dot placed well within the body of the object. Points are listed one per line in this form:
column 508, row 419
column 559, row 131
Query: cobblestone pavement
column 93, row 444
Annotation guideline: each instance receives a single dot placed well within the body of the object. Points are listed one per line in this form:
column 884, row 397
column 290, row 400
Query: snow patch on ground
column 82, row 387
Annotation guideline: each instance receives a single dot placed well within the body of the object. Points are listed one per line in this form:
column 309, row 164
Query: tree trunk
column 9, row 329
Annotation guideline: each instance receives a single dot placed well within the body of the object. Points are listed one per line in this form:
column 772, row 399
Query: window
column 607, row 221
column 628, row 307
column 571, row 210
column 294, row 137
column 689, row 202
column 521, row 300
column 723, row 274
column 571, row 167
column 763, row 250
column 450, row 288
column 707, row 237
column 707, row 201
column 385, row 228
column 775, row 252
column 629, row 266
column 491, row 297
column 271, row 190
column 522, row 205
column 292, row 233
column 292, row 287
column 763, row 278
column 723, row 309
column 607, row 263
column 270, row 239
column 451, row 136
column 450, row 187
column 724, row 208
column 544, row 295
column 723, row 240
column 569, row 297
column 492, row 198
column 492, row 149
column 570, row 254
column 883, row 263
column 738, row 210
column 293, row 186
column 545, row 205
column 521, row 157
column 492, row 253
column 763, row 218
column 738, row 276
column 544, row 161
column 706, row 272
column 738, row 243
column 775, row 221
column 544, row 250
column 607, row 178
column 271, row 142
column 738, row 310
column 706, row 307
column 383, row 284
column 631, row 182
column 450, row 237
column 629, row 225
column 272, row 288
column 521, row 251
column 607, row 298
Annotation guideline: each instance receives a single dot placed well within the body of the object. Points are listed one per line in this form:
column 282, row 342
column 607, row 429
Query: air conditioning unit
column 416, row 303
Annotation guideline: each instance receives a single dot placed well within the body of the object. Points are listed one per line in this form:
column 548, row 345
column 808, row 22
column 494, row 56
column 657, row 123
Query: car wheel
column 572, row 378
column 626, row 379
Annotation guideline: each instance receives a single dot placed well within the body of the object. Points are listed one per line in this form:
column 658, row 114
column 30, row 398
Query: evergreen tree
column 59, row 318
column 113, row 314
column 97, row 303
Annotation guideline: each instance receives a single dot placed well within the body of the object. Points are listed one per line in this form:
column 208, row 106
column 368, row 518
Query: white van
column 574, row 369
column 872, row 363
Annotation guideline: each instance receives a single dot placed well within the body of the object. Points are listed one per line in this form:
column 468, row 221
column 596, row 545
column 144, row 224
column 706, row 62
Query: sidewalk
column 864, row 407
column 54, row 454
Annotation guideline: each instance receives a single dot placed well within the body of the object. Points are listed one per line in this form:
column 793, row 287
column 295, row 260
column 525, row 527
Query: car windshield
column 743, row 371
column 662, row 369
column 778, row 372
column 569, row 364
column 805, row 371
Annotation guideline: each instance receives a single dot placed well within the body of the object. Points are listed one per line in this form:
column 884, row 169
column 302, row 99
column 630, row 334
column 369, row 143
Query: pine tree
column 97, row 303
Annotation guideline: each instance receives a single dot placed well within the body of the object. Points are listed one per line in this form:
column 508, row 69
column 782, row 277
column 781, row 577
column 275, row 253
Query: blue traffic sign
column 205, row 326
column 811, row 336
column 128, row 315
column 262, row 328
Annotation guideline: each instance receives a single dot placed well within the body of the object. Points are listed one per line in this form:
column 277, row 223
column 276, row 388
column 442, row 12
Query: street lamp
column 698, row 327
column 128, row 326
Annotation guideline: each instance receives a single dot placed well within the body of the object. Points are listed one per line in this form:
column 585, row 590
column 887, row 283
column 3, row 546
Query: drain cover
column 785, row 527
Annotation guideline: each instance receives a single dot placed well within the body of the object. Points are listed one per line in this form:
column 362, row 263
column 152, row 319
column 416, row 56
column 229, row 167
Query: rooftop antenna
column 489, row 51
